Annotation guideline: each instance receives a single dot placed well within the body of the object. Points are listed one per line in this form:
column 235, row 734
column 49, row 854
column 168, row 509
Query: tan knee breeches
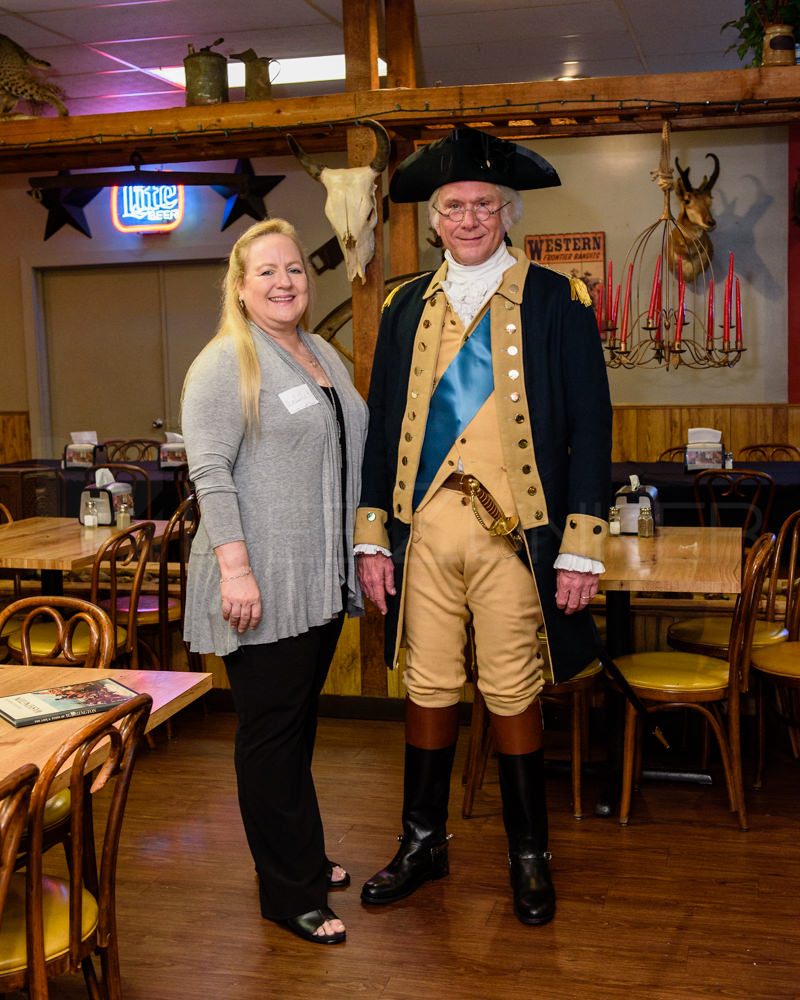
column 456, row 571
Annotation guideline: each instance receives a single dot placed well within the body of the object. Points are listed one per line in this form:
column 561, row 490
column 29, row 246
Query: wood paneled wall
column 15, row 437
column 641, row 433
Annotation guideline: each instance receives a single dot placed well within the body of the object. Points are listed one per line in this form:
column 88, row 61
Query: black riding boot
column 423, row 844
column 525, row 818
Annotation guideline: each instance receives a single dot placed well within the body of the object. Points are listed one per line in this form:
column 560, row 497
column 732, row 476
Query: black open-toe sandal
column 305, row 924
column 341, row 883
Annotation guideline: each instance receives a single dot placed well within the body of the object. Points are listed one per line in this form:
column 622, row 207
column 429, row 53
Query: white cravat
column 468, row 286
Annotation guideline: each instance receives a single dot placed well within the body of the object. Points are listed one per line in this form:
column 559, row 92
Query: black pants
column 276, row 690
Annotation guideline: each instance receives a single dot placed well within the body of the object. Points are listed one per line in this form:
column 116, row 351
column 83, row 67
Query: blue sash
column 465, row 386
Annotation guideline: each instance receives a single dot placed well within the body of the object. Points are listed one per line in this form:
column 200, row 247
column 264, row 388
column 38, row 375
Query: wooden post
column 401, row 71
column 360, row 29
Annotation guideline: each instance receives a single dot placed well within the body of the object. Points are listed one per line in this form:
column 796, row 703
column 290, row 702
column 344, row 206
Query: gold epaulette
column 578, row 290
column 397, row 288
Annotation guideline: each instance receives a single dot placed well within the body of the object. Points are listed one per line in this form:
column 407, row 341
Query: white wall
column 606, row 186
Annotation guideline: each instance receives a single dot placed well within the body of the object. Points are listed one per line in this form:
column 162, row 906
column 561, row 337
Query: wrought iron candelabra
column 674, row 324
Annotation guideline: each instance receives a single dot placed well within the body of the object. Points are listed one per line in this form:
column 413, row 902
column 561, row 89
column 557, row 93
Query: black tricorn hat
column 467, row 154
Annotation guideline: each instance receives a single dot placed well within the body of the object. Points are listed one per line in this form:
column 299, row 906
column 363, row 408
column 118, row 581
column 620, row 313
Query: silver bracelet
column 236, row 576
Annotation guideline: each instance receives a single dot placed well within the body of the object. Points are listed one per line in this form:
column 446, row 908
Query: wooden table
column 171, row 690
column 54, row 545
column 697, row 560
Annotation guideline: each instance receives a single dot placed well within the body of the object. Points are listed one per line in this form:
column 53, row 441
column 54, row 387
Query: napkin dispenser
column 629, row 499
column 81, row 454
column 107, row 498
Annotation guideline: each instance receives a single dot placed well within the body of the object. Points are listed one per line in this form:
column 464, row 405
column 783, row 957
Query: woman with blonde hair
column 274, row 435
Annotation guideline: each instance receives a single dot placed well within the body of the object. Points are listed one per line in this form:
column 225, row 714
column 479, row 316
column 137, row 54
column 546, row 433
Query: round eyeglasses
column 479, row 212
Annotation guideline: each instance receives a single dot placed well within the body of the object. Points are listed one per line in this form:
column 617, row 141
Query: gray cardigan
column 278, row 489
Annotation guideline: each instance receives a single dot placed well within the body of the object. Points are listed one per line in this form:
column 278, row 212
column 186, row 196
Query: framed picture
column 578, row 255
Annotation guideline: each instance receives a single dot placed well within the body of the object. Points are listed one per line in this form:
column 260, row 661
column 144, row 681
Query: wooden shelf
column 599, row 106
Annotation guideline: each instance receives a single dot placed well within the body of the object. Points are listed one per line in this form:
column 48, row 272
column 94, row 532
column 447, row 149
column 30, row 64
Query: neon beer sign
column 147, row 208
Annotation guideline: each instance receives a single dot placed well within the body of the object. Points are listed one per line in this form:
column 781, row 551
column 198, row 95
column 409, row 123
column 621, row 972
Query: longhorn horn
column 709, row 183
column 310, row 167
column 382, row 144
column 684, row 176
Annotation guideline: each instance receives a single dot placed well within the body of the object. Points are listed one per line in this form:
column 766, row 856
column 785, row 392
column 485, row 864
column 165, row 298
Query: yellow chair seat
column 714, row 631
column 55, row 906
column 783, row 660
column 674, row 672
column 44, row 636
column 56, row 808
column 14, row 624
column 147, row 609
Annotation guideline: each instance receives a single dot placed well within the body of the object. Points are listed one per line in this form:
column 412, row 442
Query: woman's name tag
column 297, row 398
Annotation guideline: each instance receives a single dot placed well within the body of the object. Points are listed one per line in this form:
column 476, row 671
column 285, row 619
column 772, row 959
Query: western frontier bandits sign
column 580, row 255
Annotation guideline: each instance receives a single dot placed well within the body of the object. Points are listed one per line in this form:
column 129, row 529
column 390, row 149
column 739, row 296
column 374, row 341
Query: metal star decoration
column 65, row 207
column 247, row 199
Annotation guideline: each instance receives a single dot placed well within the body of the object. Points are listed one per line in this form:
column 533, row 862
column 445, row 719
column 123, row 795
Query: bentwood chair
column 132, row 449
column 671, row 681
column 674, row 454
column 165, row 614
column 741, row 498
column 574, row 695
column 136, row 476
column 769, row 453
column 15, row 795
column 15, row 575
column 55, row 925
column 710, row 634
column 116, row 583
column 82, row 634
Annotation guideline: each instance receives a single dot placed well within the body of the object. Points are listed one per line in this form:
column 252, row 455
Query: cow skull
column 350, row 205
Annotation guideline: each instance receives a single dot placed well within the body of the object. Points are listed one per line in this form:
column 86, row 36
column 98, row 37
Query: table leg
column 618, row 641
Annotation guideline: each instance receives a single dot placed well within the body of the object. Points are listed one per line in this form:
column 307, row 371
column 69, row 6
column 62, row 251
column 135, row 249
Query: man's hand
column 376, row 576
column 574, row 590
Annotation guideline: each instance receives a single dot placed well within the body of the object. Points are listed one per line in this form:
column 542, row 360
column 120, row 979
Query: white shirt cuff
column 578, row 564
column 366, row 549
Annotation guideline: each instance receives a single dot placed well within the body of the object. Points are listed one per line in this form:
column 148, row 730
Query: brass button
column 452, row 322
column 433, row 301
column 421, row 346
column 520, row 419
column 538, row 515
column 510, row 328
column 513, row 351
column 509, row 305
column 402, row 485
column 513, row 289
column 463, row 440
column 399, row 508
column 513, row 374
column 409, row 437
column 371, row 515
column 412, row 415
column 514, row 397
column 464, row 501
column 418, row 371
column 426, row 323
column 523, row 443
column 526, row 470
column 414, row 394
column 573, row 524
column 450, row 461
column 404, row 460
column 532, row 491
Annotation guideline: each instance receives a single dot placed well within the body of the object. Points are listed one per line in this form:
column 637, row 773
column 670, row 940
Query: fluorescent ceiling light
column 304, row 70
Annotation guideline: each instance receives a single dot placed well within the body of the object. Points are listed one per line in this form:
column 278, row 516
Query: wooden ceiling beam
column 599, row 106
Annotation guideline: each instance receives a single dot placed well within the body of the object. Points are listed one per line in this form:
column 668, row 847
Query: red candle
column 658, row 311
column 608, row 295
column 681, row 305
column 710, row 323
column 616, row 308
column 600, row 329
column 726, row 307
column 738, row 317
column 654, row 293
column 623, row 337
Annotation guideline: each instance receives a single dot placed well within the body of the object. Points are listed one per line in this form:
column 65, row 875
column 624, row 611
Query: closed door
column 118, row 341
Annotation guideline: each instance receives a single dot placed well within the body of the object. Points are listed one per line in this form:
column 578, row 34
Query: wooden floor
column 679, row 905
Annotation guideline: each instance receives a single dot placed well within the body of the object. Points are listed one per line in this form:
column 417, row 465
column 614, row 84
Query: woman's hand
column 241, row 602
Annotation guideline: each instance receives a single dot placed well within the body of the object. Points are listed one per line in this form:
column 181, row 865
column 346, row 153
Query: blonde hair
column 234, row 322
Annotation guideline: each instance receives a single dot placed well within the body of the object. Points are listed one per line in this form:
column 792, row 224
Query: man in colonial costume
column 490, row 432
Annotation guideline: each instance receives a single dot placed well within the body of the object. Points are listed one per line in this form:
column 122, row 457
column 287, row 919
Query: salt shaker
column 90, row 517
column 614, row 525
column 123, row 514
column 645, row 522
